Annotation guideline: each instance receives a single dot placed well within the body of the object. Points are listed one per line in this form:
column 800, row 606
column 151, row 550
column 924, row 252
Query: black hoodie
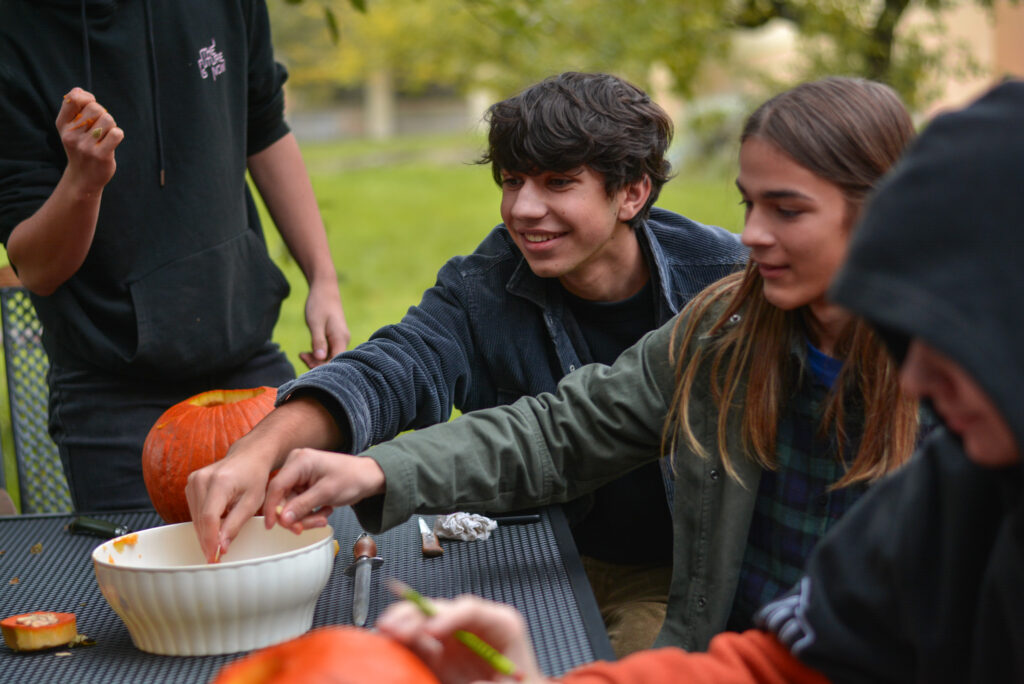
column 924, row 580
column 177, row 282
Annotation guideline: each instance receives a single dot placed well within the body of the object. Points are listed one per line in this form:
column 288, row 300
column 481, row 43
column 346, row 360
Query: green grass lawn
column 394, row 212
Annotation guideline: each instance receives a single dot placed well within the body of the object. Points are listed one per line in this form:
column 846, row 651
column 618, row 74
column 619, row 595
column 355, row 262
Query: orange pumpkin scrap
column 192, row 434
column 38, row 630
column 126, row 540
column 335, row 655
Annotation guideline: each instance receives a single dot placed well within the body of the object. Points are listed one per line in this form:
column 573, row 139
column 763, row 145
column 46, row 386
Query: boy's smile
column 567, row 227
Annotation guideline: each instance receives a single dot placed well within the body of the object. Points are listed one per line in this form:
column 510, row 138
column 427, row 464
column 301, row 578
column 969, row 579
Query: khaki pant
column 632, row 599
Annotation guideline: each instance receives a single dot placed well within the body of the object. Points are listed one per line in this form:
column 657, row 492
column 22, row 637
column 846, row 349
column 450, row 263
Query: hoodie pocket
column 209, row 311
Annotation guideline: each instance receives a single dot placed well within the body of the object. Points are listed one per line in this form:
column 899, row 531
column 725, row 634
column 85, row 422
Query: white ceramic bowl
column 262, row 592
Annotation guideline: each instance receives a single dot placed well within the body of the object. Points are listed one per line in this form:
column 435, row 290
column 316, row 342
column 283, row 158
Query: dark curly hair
column 579, row 119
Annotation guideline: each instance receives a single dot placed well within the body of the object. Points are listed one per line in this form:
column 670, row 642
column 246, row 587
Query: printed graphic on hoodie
column 211, row 61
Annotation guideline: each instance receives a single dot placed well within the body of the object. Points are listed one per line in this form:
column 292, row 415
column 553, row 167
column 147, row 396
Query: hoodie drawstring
column 155, row 77
column 85, row 51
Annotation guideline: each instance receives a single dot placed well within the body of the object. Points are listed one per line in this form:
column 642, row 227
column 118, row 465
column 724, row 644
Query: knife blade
column 366, row 559
column 431, row 547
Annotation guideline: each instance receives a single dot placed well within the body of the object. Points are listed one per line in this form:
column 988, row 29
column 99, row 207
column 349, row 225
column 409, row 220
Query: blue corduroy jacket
column 490, row 331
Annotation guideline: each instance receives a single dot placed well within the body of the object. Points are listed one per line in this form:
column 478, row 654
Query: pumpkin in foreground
column 193, row 434
column 339, row 655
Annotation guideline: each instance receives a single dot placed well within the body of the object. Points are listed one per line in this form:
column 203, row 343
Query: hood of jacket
column 921, row 581
column 937, row 255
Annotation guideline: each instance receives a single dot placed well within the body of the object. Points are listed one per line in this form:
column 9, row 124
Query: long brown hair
column 848, row 132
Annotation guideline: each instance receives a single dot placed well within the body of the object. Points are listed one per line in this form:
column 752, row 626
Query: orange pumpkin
column 334, row 655
column 192, row 434
column 39, row 630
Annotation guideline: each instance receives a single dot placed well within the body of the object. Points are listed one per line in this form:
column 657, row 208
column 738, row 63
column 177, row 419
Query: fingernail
column 320, row 354
column 287, row 518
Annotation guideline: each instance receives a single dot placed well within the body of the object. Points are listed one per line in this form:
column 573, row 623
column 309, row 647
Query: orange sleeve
column 748, row 658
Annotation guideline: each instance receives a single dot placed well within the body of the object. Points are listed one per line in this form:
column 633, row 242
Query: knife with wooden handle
column 431, row 547
column 366, row 559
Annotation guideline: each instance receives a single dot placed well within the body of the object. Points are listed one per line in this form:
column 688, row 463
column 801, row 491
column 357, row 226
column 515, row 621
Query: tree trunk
column 379, row 107
column 879, row 56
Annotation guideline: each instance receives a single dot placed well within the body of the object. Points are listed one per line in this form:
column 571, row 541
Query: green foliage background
column 507, row 44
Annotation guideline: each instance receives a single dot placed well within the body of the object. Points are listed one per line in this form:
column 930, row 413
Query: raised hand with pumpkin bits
column 46, row 256
column 89, row 135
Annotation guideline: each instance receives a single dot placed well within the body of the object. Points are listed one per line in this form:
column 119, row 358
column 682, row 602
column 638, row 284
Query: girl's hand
column 311, row 483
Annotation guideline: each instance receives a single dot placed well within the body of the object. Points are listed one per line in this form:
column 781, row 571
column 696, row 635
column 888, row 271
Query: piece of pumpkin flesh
column 39, row 630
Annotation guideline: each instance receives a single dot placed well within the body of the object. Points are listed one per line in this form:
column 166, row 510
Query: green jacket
column 602, row 422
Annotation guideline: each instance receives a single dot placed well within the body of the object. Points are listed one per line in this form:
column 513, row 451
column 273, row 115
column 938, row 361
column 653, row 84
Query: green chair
column 41, row 481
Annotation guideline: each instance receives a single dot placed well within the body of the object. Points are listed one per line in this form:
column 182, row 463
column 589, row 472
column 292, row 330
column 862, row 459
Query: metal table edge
column 593, row 624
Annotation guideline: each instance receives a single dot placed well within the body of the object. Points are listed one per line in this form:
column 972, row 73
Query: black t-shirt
column 633, row 508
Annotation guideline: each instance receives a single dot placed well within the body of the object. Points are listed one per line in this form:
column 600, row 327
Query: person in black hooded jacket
column 922, row 580
column 131, row 222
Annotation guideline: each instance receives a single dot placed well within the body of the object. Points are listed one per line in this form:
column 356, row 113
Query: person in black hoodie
column 922, row 580
column 131, row 222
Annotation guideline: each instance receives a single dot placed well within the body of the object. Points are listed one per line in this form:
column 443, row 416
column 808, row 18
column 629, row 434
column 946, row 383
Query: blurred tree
column 390, row 46
column 855, row 37
column 870, row 39
column 507, row 44
column 418, row 43
column 535, row 38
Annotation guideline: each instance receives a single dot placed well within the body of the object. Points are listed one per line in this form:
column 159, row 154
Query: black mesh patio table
column 534, row 567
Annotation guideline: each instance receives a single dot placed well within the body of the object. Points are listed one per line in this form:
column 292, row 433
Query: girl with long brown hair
column 847, row 133
column 805, row 404
column 777, row 407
